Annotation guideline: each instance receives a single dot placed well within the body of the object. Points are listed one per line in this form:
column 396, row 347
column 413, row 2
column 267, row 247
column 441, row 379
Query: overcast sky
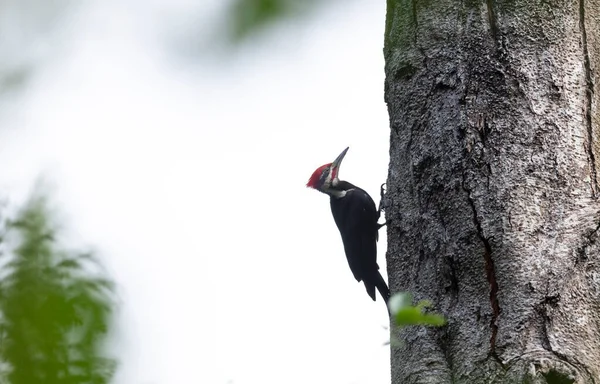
column 186, row 170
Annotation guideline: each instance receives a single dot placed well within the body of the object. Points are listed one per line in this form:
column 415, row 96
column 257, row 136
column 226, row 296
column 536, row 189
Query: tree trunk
column 492, row 201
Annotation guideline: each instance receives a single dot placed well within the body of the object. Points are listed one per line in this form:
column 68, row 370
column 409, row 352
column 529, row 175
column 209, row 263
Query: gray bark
column 493, row 194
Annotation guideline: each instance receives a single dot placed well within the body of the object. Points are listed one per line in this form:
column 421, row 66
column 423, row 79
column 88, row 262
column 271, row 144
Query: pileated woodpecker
column 356, row 217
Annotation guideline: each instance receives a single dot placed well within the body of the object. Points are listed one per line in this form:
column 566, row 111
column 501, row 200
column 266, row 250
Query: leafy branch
column 405, row 313
column 55, row 307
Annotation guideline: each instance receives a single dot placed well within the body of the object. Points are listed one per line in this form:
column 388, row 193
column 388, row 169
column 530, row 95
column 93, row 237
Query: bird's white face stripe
column 328, row 182
column 335, row 181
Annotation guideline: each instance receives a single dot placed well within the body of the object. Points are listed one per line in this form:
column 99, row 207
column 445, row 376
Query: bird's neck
column 339, row 189
column 336, row 193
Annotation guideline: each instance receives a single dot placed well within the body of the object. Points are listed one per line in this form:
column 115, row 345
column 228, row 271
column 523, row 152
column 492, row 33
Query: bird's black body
column 356, row 217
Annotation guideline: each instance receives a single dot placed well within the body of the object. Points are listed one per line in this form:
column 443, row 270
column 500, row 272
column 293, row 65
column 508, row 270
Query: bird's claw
column 381, row 197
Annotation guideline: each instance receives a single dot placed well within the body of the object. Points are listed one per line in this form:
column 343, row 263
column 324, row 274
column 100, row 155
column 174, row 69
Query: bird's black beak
column 337, row 162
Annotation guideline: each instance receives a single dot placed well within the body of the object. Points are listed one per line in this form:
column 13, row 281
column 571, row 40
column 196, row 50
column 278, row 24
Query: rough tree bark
column 493, row 190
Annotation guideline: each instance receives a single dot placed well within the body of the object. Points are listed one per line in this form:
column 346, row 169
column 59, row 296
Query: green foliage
column 404, row 313
column 249, row 16
column 55, row 307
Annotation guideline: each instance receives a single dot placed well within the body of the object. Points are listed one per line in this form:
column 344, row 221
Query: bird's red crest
column 314, row 179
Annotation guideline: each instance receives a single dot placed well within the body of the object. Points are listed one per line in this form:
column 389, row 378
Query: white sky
column 188, row 174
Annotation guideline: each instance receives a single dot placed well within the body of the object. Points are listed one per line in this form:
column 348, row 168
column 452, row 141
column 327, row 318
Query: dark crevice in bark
column 491, row 276
column 589, row 93
column 589, row 241
column 592, row 236
column 492, row 19
column 543, row 311
column 553, row 300
column 444, row 343
column 546, row 339
column 410, row 140
column 414, row 17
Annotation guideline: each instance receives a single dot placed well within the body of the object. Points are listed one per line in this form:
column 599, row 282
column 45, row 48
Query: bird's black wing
column 355, row 215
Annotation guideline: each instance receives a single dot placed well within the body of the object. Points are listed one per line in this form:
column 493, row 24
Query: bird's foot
column 381, row 196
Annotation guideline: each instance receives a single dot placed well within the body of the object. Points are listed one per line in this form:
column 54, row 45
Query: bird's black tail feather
column 382, row 287
column 370, row 289
column 377, row 281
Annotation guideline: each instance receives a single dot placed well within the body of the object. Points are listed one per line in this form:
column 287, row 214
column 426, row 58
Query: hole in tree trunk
column 555, row 377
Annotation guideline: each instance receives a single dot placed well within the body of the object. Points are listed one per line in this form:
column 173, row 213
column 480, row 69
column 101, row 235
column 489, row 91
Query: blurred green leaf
column 55, row 313
column 404, row 313
column 68, row 263
column 249, row 16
